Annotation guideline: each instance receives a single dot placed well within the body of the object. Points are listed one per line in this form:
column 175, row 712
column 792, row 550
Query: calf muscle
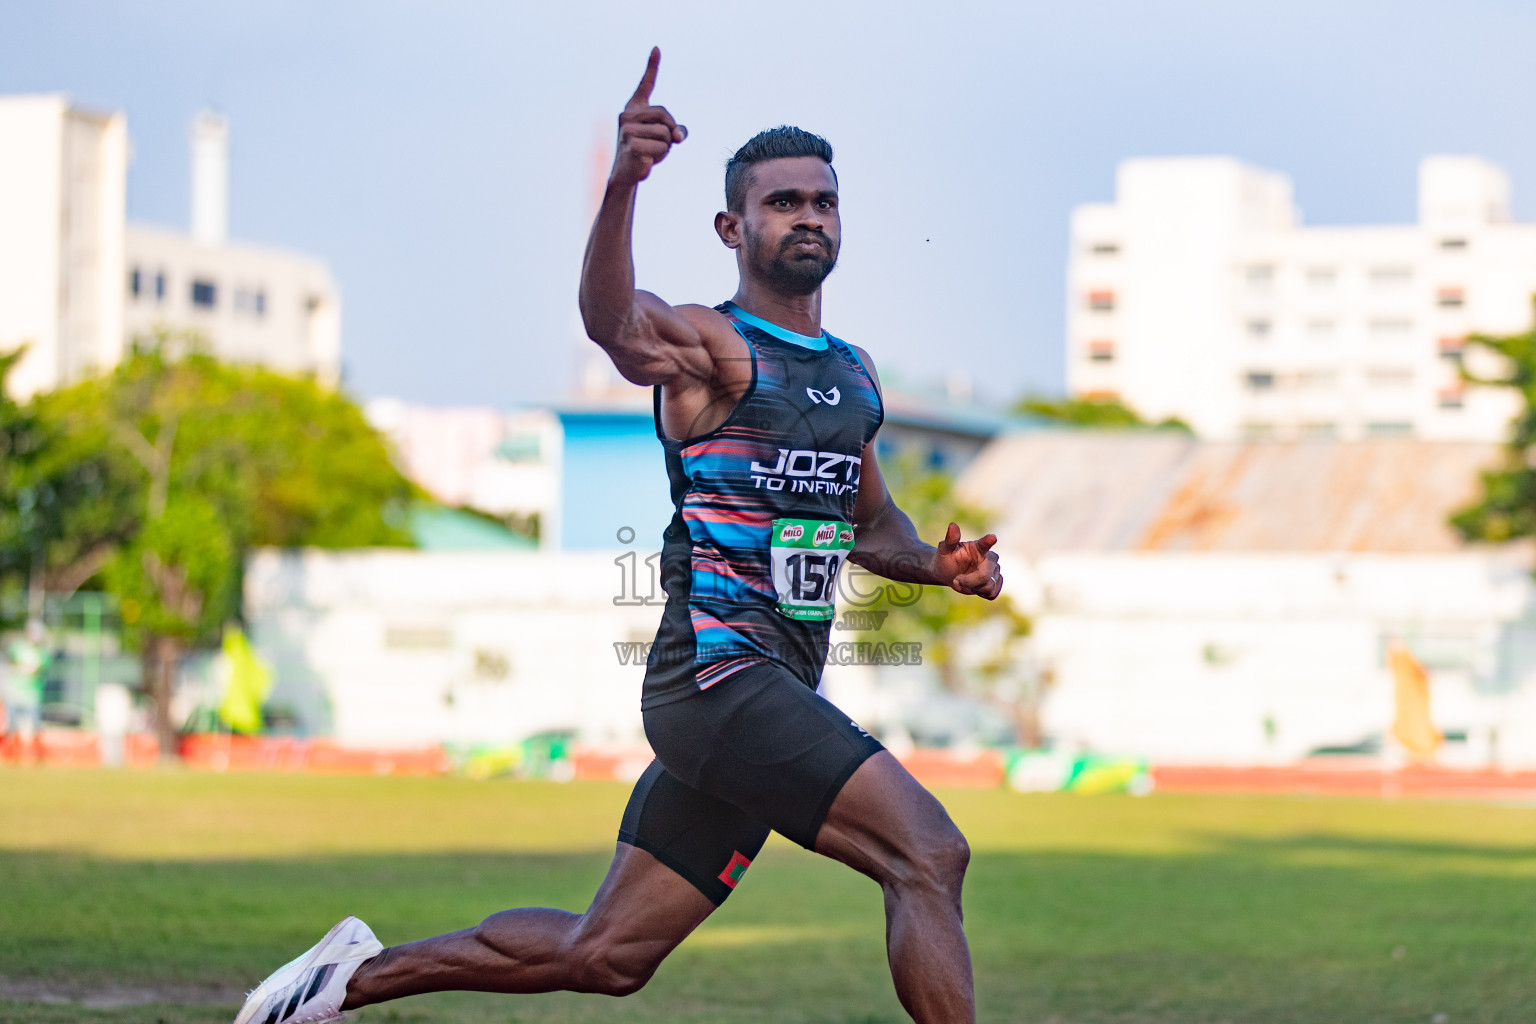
column 640, row 913
column 886, row 825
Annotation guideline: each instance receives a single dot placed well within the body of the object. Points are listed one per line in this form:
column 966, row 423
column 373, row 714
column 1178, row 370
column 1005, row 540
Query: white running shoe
column 311, row 988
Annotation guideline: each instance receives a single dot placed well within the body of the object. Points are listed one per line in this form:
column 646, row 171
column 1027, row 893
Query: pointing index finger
column 642, row 96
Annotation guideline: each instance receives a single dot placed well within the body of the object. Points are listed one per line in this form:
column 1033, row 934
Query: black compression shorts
column 759, row 750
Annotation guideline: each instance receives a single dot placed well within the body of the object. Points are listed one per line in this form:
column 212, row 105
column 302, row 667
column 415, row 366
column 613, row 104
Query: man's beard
column 790, row 272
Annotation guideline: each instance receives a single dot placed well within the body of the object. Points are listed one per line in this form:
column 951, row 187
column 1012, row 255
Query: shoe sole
column 259, row 994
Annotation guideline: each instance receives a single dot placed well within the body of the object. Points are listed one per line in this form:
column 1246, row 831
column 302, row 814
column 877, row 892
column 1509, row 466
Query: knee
column 940, row 861
column 605, row 969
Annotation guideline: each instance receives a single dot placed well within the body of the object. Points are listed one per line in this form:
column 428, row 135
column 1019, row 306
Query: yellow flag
column 1412, row 726
column 250, row 680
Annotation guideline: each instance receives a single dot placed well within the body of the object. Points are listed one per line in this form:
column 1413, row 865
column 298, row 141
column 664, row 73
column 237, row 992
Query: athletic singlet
column 763, row 513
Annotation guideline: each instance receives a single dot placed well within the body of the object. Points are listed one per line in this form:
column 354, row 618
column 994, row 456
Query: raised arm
column 886, row 543
column 649, row 341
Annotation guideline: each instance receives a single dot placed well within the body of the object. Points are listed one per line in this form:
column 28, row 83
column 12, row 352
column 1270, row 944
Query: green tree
column 18, row 439
column 1093, row 412
column 60, row 506
column 195, row 461
column 1506, row 508
column 945, row 622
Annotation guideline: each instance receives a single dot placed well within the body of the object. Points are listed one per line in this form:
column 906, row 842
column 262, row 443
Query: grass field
column 184, row 889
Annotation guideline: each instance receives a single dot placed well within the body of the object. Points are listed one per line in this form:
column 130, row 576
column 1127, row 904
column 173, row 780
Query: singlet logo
column 831, row 397
column 793, row 533
column 826, row 533
column 808, row 472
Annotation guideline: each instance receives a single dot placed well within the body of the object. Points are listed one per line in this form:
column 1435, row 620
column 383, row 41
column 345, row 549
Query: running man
column 768, row 426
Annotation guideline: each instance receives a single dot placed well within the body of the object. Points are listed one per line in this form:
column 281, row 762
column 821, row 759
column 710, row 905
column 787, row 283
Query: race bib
column 807, row 553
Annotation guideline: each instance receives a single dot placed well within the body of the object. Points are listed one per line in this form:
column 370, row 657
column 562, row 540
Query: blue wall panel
column 612, row 476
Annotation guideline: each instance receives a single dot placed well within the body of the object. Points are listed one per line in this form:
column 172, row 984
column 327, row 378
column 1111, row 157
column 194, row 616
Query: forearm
column 607, row 298
column 887, row 545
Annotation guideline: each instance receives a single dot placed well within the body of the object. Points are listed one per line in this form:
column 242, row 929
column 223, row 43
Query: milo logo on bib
column 806, row 555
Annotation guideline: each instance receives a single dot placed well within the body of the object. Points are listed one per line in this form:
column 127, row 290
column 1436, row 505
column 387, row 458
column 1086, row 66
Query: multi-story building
column 1199, row 294
column 78, row 283
column 63, row 187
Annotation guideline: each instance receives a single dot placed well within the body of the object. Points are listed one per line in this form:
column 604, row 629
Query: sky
column 440, row 155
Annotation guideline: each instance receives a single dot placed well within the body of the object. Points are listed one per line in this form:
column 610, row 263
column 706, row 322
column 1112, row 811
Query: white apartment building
column 78, row 283
column 1198, row 293
column 63, row 188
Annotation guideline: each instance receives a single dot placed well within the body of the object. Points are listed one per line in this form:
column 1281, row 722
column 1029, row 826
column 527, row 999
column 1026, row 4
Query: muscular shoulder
column 726, row 348
column 709, row 322
column 869, row 365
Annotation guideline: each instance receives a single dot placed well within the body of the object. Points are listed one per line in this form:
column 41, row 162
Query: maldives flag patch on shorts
column 735, row 869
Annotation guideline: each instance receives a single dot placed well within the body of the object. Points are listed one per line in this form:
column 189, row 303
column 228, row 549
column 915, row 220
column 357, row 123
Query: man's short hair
column 774, row 144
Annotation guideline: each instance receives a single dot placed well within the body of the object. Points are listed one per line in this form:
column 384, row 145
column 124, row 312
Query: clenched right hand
column 646, row 132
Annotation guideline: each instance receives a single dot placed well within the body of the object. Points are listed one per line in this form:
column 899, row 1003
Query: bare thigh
column 885, row 824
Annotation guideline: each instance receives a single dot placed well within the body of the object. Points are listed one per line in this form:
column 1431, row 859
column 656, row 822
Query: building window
column 1450, row 298
column 1101, row 301
column 160, row 287
column 1452, row 348
column 1256, row 430
column 259, row 304
column 1389, row 428
column 1258, row 330
column 417, row 637
column 1321, row 277
column 1102, row 351
column 1389, row 377
column 1390, row 328
column 519, row 448
column 1105, row 248
column 1451, row 398
column 1320, row 330
column 1391, row 277
column 135, row 282
column 204, row 293
column 1320, row 431
column 1453, row 244
column 1260, row 380
column 1260, row 276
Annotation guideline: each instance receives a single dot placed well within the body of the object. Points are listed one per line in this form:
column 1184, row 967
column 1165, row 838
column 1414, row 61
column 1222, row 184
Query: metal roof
column 1108, row 490
column 438, row 528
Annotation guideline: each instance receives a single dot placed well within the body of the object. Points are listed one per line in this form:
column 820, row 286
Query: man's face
column 790, row 227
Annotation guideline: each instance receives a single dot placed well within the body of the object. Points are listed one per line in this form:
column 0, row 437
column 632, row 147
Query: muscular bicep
column 663, row 344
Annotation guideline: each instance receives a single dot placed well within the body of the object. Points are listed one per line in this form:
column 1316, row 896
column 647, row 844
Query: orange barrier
column 223, row 752
column 1361, row 777
column 141, row 750
column 326, row 757
column 75, row 748
column 610, row 764
column 971, row 769
column 1358, row 778
column 65, row 748
column 981, row 769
